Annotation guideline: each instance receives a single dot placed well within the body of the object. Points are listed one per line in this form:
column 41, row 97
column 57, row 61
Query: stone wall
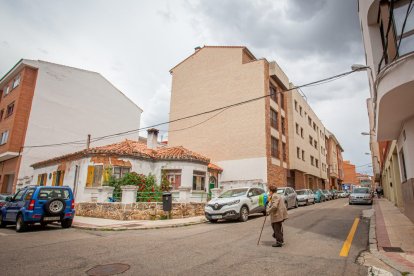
column 138, row 211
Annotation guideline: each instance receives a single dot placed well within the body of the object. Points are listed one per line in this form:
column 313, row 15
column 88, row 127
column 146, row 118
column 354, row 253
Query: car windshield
column 361, row 191
column 49, row 193
column 280, row 191
column 301, row 192
column 233, row 193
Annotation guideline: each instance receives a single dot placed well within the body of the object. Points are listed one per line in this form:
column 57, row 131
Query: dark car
column 39, row 204
column 3, row 199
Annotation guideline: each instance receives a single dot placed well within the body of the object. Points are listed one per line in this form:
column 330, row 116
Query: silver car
column 289, row 195
column 360, row 195
column 305, row 197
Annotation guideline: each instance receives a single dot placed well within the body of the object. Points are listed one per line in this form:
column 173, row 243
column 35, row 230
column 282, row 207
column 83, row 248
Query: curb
column 373, row 249
column 124, row 228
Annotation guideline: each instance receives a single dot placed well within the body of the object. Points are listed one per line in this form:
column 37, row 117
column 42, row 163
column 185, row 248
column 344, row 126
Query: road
column 314, row 237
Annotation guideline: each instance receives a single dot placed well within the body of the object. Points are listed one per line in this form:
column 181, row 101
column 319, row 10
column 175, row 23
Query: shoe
column 277, row 245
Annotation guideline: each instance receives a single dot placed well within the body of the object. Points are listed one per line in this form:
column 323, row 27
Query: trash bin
column 166, row 202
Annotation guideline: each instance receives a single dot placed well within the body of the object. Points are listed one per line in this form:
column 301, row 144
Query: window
column 49, row 193
column 3, row 138
column 297, row 129
column 405, row 39
column 273, row 118
column 1, row 114
column 317, row 163
column 314, row 126
column 284, row 151
column 298, row 152
column 283, row 125
column 310, row 121
column 10, row 109
column 312, row 160
column 310, row 140
column 16, row 82
column 300, row 111
column 19, row 195
column 282, row 100
column 303, row 155
column 174, row 177
column 41, row 179
column 315, row 144
column 29, row 194
column 275, row 147
column 273, row 92
column 199, row 179
column 403, row 168
column 6, row 90
column 301, row 132
column 120, row 172
column 296, row 105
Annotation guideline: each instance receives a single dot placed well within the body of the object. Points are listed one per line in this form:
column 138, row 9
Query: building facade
column 250, row 141
column 49, row 104
column 350, row 174
column 389, row 48
column 307, row 148
column 334, row 160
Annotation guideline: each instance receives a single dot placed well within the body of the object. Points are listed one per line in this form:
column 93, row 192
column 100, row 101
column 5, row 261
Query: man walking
column 278, row 213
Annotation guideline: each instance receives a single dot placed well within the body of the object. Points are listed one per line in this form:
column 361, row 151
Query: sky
column 134, row 44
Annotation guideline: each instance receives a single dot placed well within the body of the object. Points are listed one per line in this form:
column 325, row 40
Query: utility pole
column 88, row 141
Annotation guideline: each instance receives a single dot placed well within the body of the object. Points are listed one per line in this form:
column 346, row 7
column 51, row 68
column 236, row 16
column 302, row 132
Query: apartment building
column 307, row 148
column 249, row 142
column 334, row 160
column 389, row 49
column 42, row 103
column 350, row 175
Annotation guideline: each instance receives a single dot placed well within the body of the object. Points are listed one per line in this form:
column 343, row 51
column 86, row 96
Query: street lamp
column 359, row 67
column 365, row 133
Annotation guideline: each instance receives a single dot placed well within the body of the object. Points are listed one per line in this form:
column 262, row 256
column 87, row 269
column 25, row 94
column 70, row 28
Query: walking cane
column 261, row 230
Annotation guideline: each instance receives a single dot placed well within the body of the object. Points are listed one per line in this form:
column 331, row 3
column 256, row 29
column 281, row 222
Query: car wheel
column 307, row 202
column 66, row 223
column 21, row 225
column 43, row 224
column 2, row 222
column 244, row 214
column 296, row 204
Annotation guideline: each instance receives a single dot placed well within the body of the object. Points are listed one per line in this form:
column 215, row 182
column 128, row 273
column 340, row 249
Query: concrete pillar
column 105, row 192
column 185, row 194
column 129, row 194
column 215, row 192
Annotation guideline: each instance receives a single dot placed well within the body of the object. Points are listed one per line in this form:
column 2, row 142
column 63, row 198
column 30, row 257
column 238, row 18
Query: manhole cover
column 393, row 249
column 107, row 270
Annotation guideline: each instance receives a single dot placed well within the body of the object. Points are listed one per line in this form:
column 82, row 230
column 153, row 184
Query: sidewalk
column 394, row 236
column 89, row 223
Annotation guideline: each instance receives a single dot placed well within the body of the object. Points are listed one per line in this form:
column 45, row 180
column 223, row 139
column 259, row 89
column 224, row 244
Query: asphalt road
column 314, row 236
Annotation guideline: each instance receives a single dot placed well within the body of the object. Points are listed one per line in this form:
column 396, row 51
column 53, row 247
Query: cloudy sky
column 135, row 43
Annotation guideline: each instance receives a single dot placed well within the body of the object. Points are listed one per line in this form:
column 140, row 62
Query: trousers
column 278, row 231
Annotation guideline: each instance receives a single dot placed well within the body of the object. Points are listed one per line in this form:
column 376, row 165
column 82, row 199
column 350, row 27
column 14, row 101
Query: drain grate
column 393, row 249
column 107, row 270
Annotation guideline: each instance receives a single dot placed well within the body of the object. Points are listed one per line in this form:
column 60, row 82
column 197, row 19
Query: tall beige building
column 250, row 141
column 307, row 149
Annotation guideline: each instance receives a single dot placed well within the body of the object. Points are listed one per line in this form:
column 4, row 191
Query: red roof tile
column 214, row 167
column 135, row 149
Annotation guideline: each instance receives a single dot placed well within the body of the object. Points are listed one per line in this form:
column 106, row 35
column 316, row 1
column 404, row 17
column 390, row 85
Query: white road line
column 346, row 204
column 2, row 234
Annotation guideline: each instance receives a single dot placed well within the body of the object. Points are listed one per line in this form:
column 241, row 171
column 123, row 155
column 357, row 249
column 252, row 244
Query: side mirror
column 250, row 194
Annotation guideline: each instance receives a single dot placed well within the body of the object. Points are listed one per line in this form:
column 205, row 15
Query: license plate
column 217, row 217
column 51, row 218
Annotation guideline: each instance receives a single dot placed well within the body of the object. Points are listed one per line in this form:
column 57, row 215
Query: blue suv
column 39, row 204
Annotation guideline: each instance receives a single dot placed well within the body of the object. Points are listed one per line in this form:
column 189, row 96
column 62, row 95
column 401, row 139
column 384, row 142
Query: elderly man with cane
column 278, row 213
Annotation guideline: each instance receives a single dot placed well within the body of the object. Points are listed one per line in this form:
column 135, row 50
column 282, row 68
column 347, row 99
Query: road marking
column 2, row 234
column 346, row 204
column 347, row 244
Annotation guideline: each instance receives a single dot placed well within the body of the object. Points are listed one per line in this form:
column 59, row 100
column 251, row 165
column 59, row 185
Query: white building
column 51, row 104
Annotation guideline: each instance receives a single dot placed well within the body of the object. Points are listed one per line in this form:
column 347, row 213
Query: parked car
column 328, row 195
column 39, row 204
column 289, row 196
column 319, row 196
column 361, row 195
column 342, row 194
column 334, row 194
column 234, row 204
column 305, row 197
column 3, row 199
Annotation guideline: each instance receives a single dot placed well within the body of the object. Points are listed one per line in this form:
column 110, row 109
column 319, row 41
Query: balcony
column 395, row 97
column 8, row 155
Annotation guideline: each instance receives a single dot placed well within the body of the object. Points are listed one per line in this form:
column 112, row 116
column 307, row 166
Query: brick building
column 350, row 175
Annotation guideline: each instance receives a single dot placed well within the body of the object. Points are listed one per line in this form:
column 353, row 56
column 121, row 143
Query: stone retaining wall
column 138, row 210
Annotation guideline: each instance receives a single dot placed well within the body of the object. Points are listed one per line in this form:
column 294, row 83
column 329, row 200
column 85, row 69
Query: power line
column 223, row 108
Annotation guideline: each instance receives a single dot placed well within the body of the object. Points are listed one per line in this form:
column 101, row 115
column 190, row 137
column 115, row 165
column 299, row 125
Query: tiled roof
column 214, row 167
column 130, row 148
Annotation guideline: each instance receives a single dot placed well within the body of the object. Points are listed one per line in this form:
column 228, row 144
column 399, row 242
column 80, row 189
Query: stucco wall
column 69, row 104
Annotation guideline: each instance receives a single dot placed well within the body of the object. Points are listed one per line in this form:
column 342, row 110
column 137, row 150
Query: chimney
column 152, row 138
column 197, row 48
